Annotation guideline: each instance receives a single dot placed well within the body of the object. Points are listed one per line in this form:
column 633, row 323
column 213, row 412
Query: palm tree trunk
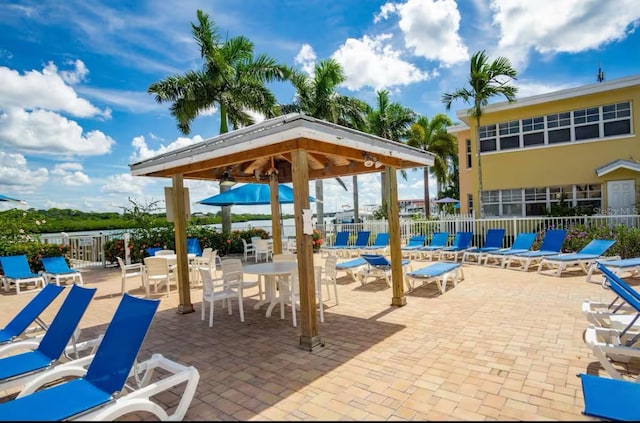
column 356, row 203
column 383, row 186
column 427, row 205
column 480, row 207
column 226, row 210
column 319, row 202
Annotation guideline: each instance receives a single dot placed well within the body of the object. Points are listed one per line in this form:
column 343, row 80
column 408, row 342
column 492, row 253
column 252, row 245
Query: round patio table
column 270, row 270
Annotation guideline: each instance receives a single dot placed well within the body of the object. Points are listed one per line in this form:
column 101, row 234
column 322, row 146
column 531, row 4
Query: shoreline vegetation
column 68, row 220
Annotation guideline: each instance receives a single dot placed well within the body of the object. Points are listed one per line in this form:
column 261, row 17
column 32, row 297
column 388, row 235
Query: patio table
column 270, row 270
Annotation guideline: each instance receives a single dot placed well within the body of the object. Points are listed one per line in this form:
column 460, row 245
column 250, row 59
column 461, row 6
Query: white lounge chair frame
column 454, row 275
column 633, row 269
column 609, row 347
column 136, row 398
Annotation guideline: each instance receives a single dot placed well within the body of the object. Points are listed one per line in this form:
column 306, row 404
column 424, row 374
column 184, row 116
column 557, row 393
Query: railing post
column 515, row 227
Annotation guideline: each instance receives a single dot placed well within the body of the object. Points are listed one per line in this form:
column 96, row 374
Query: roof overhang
column 618, row 164
column 630, row 81
column 251, row 152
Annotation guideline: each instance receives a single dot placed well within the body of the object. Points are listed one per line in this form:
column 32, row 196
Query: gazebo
column 293, row 148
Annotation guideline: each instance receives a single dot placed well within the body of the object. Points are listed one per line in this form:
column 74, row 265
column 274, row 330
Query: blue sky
column 74, row 111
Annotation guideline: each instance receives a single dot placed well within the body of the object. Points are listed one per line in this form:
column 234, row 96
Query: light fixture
column 227, row 180
column 378, row 164
column 368, row 160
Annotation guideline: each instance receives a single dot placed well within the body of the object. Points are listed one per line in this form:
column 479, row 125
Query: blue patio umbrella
column 5, row 198
column 250, row 194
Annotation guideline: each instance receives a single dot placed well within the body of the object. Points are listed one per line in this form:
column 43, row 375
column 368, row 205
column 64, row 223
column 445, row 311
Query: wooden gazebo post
column 180, row 227
column 393, row 214
column 309, row 338
column 275, row 213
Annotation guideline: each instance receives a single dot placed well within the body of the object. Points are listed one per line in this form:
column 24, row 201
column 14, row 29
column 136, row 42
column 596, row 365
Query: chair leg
column 211, row 307
column 240, row 307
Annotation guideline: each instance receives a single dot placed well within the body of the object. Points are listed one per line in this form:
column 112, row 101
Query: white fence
column 88, row 250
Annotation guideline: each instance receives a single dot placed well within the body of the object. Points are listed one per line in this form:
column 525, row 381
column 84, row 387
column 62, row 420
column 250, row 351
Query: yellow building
column 577, row 143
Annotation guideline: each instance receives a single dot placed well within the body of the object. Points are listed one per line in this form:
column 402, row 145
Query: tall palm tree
column 317, row 96
column 391, row 121
column 486, row 80
column 231, row 79
column 432, row 136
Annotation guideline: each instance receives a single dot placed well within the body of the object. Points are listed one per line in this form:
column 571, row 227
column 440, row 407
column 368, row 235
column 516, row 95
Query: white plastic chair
column 263, row 247
column 157, row 271
column 290, row 292
column 131, row 271
column 165, row 252
column 232, row 270
column 249, row 249
column 329, row 276
column 222, row 289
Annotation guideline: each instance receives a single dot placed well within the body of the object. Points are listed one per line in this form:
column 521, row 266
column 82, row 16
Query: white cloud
column 385, row 11
column 568, row 26
column 306, row 59
column 125, row 184
column 14, row 172
column 45, row 90
column 77, row 74
column 530, row 88
column 71, row 174
column 430, row 28
column 46, row 132
column 372, row 62
column 142, row 150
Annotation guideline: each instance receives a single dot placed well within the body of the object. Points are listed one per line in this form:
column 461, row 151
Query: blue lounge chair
column 378, row 266
column 193, row 247
column 492, row 242
column 152, row 250
column 29, row 313
column 521, row 244
column 590, row 253
column 98, row 393
column 630, row 265
column 362, row 239
column 56, row 268
column 461, row 242
column 614, row 346
column 438, row 240
column 380, row 244
column 342, row 240
column 551, row 246
column 16, row 370
column 351, row 267
column 435, row 272
column 610, row 399
column 16, row 271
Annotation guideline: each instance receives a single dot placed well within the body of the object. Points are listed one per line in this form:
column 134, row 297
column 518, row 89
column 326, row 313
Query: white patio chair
column 132, row 270
column 329, row 276
column 157, row 271
column 290, row 293
column 249, row 249
column 232, row 271
column 222, row 289
column 263, row 248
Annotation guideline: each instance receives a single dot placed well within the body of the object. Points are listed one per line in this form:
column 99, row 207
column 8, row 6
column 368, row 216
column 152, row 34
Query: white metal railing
column 85, row 250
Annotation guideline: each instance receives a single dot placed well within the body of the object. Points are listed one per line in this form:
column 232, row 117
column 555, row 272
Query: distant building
column 578, row 143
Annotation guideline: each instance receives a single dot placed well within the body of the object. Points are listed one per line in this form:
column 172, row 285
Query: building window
column 509, row 135
column 589, row 197
column 535, row 201
column 511, row 202
column 469, row 157
column 617, row 119
column 559, row 125
column 491, row 203
column 533, row 131
column 488, row 138
column 470, row 203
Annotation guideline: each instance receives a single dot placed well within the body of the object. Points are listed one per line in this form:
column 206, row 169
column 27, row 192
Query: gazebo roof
column 252, row 153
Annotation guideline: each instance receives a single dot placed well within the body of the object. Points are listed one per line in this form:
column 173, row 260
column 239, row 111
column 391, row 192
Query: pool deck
column 502, row 345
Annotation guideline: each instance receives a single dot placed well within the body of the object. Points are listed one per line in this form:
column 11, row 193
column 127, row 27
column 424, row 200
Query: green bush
column 578, row 236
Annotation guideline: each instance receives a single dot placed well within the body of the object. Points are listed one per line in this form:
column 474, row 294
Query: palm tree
column 391, row 121
column 317, row 96
column 231, row 79
column 486, row 80
column 432, row 136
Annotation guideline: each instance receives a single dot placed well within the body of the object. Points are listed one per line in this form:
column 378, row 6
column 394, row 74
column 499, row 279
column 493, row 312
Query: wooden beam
column 309, row 338
column 182, row 266
column 393, row 214
column 276, row 229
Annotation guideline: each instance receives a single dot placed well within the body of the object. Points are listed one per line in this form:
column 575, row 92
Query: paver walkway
column 502, row 345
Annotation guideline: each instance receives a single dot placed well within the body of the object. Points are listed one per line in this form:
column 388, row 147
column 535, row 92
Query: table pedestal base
column 310, row 343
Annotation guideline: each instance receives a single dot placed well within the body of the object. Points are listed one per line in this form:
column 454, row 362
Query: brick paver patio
column 502, row 345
